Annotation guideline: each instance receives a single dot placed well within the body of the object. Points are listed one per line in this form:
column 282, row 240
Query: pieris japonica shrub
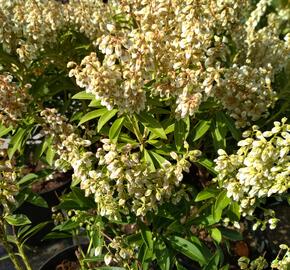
column 168, row 113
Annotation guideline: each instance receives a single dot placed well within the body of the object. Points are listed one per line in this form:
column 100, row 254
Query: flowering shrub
column 259, row 169
column 138, row 98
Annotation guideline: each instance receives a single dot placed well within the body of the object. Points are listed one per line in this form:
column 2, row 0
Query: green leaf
column 149, row 161
column 160, row 159
column 76, row 116
column 175, row 226
column 181, row 131
column 36, row 199
column 94, row 259
column 32, row 177
column 83, row 95
column 95, row 103
column 28, row 178
column 213, row 263
column 216, row 234
column 16, row 142
column 206, row 220
column 231, row 234
column 219, row 133
column 191, row 250
column 205, row 194
column 230, row 123
column 17, row 219
column 110, row 268
column 234, row 211
column 4, row 130
column 46, row 143
column 80, row 197
column 50, row 153
column 162, row 255
column 32, row 231
column 169, row 129
column 116, row 129
column 179, row 266
column 201, row 129
column 221, row 203
column 208, row 164
column 222, row 200
column 92, row 115
column 152, row 124
column 67, row 226
column 57, row 235
column 12, row 239
column 146, row 234
column 105, row 118
column 144, row 256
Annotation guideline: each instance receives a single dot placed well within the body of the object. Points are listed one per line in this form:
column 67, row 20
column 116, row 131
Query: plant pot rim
column 63, row 251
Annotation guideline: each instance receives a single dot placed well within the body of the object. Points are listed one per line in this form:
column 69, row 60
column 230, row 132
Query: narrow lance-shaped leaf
column 146, row 235
column 200, row 129
column 4, row 130
column 152, row 124
column 17, row 219
column 230, row 123
column 208, row 164
column 105, row 118
column 83, row 95
column 116, row 129
column 213, row 263
column 216, row 234
column 50, row 153
column 221, row 203
column 92, row 115
column 206, row 193
column 219, row 132
column 162, row 255
column 181, row 131
column 149, row 160
column 191, row 250
column 16, row 142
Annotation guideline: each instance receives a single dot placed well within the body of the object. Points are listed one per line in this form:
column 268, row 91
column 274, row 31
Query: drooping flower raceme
column 122, row 183
column 183, row 50
column 8, row 184
column 13, row 102
column 117, row 178
column 259, row 169
column 187, row 51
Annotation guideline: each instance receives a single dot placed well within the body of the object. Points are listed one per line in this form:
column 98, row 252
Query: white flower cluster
column 119, row 180
column 248, row 101
column 259, row 169
column 168, row 42
column 284, row 262
column 8, row 183
column 55, row 124
column 260, row 263
column 105, row 81
column 67, row 144
column 120, row 252
column 185, row 50
column 123, row 183
column 28, row 25
column 13, row 102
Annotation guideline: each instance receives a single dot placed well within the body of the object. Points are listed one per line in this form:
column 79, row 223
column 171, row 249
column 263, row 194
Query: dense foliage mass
column 170, row 115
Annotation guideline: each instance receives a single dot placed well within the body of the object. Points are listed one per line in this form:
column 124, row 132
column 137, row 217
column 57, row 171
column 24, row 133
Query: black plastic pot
column 38, row 214
column 67, row 254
